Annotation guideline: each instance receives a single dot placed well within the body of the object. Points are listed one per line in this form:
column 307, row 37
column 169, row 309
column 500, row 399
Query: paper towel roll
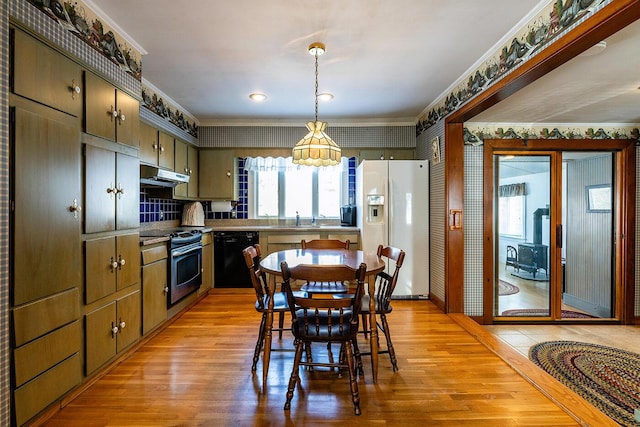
column 221, row 206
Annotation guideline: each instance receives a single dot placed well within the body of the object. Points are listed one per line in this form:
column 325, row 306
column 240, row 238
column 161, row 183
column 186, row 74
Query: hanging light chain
column 316, row 55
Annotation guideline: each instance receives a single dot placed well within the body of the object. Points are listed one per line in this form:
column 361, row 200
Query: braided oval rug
column 609, row 378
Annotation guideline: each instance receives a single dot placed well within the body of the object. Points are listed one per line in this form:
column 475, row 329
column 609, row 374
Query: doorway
column 556, row 221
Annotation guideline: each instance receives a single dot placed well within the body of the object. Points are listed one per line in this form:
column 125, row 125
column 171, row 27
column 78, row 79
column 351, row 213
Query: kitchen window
column 280, row 189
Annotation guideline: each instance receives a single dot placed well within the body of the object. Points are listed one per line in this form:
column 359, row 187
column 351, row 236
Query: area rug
column 506, row 288
column 606, row 377
column 540, row 277
column 566, row 314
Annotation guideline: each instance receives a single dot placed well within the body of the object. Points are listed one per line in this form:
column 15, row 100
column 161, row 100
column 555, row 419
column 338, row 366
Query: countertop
column 159, row 235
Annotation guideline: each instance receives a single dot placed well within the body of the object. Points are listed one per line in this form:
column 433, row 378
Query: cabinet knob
column 166, row 290
column 122, row 325
column 114, row 264
column 121, row 262
column 111, row 190
column 155, row 147
column 161, row 148
column 228, row 174
column 75, row 89
column 114, row 330
column 75, row 208
column 120, row 116
column 113, row 113
column 120, row 191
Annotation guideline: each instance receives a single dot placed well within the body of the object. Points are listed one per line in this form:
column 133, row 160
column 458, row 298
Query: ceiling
column 385, row 63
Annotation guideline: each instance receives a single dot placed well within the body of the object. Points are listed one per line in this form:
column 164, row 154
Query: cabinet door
column 128, row 192
column 100, row 190
column 181, row 166
column 128, row 120
column 167, row 150
column 100, row 268
column 154, row 295
column 192, row 161
column 46, row 179
column 217, row 174
column 100, row 107
column 100, row 336
column 128, row 310
column 128, row 259
column 149, row 148
column 44, row 75
column 207, row 268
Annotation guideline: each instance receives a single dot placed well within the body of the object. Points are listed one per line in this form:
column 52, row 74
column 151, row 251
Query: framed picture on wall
column 435, row 150
column 598, row 198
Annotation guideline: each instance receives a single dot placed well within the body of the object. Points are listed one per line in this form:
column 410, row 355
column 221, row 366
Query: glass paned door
column 523, row 227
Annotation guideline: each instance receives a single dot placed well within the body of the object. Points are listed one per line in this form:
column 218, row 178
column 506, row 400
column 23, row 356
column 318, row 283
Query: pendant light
column 316, row 148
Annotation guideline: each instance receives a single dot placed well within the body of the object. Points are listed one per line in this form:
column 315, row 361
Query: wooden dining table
column 352, row 258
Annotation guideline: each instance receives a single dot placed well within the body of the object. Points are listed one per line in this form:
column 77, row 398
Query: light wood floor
column 197, row 373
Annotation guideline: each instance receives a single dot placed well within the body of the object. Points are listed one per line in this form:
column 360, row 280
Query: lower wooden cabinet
column 154, row 286
column 207, row 263
column 111, row 329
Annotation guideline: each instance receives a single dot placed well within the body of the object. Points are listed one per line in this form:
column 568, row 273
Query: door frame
column 624, row 221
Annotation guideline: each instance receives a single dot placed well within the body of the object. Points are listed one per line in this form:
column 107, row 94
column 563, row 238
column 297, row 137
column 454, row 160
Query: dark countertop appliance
column 348, row 215
column 230, row 270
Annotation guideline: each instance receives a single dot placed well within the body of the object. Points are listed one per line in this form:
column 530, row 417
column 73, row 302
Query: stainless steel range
column 185, row 266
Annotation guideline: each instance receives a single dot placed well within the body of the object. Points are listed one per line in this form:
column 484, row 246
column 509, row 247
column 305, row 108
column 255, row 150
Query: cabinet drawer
column 51, row 313
column 35, row 395
column 291, row 238
column 206, row 239
column 154, row 254
column 36, row 357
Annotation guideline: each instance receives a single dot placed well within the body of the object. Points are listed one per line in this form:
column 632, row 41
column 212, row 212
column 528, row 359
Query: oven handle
column 188, row 251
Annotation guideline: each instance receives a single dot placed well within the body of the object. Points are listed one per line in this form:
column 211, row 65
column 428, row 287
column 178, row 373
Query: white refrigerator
column 392, row 207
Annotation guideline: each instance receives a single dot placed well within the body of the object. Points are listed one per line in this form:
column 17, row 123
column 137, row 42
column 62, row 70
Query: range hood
column 153, row 176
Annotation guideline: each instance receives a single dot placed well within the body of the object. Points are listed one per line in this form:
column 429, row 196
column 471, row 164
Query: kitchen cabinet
column 272, row 241
column 217, row 175
column 112, row 193
column 386, row 154
column 46, row 76
column 156, row 147
column 109, row 112
column 207, row 262
column 154, row 286
column 186, row 162
column 112, row 263
column 111, row 329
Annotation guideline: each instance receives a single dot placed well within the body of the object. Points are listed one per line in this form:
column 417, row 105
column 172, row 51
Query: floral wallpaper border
column 538, row 33
column 80, row 20
column 164, row 109
column 476, row 134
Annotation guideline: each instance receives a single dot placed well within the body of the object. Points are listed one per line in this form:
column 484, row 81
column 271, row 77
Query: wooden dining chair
column 328, row 288
column 252, row 256
column 325, row 320
column 384, row 286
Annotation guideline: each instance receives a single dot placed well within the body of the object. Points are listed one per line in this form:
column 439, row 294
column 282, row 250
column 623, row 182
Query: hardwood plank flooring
column 197, row 373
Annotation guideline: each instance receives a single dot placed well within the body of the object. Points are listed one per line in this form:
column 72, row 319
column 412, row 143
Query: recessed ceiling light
column 325, row 96
column 258, row 97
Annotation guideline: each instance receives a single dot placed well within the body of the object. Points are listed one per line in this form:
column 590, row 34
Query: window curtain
column 513, row 190
column 265, row 164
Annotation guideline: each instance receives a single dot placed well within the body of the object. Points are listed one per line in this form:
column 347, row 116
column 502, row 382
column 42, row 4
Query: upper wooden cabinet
column 186, row 162
column 46, row 76
column 112, row 195
column 156, row 147
column 109, row 112
column 217, row 174
column 388, row 154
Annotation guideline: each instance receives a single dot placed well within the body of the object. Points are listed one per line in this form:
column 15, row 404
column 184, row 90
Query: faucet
column 313, row 220
column 297, row 219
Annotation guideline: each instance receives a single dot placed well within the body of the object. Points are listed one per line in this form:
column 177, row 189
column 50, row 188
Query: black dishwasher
column 230, row 270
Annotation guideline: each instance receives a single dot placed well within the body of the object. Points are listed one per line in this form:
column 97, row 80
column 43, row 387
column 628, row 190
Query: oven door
column 186, row 271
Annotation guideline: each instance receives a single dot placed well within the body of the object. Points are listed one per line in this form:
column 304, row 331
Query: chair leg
column 358, row 356
column 259, row 342
column 365, row 324
column 387, row 335
column 295, row 375
column 353, row 382
column 280, row 325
